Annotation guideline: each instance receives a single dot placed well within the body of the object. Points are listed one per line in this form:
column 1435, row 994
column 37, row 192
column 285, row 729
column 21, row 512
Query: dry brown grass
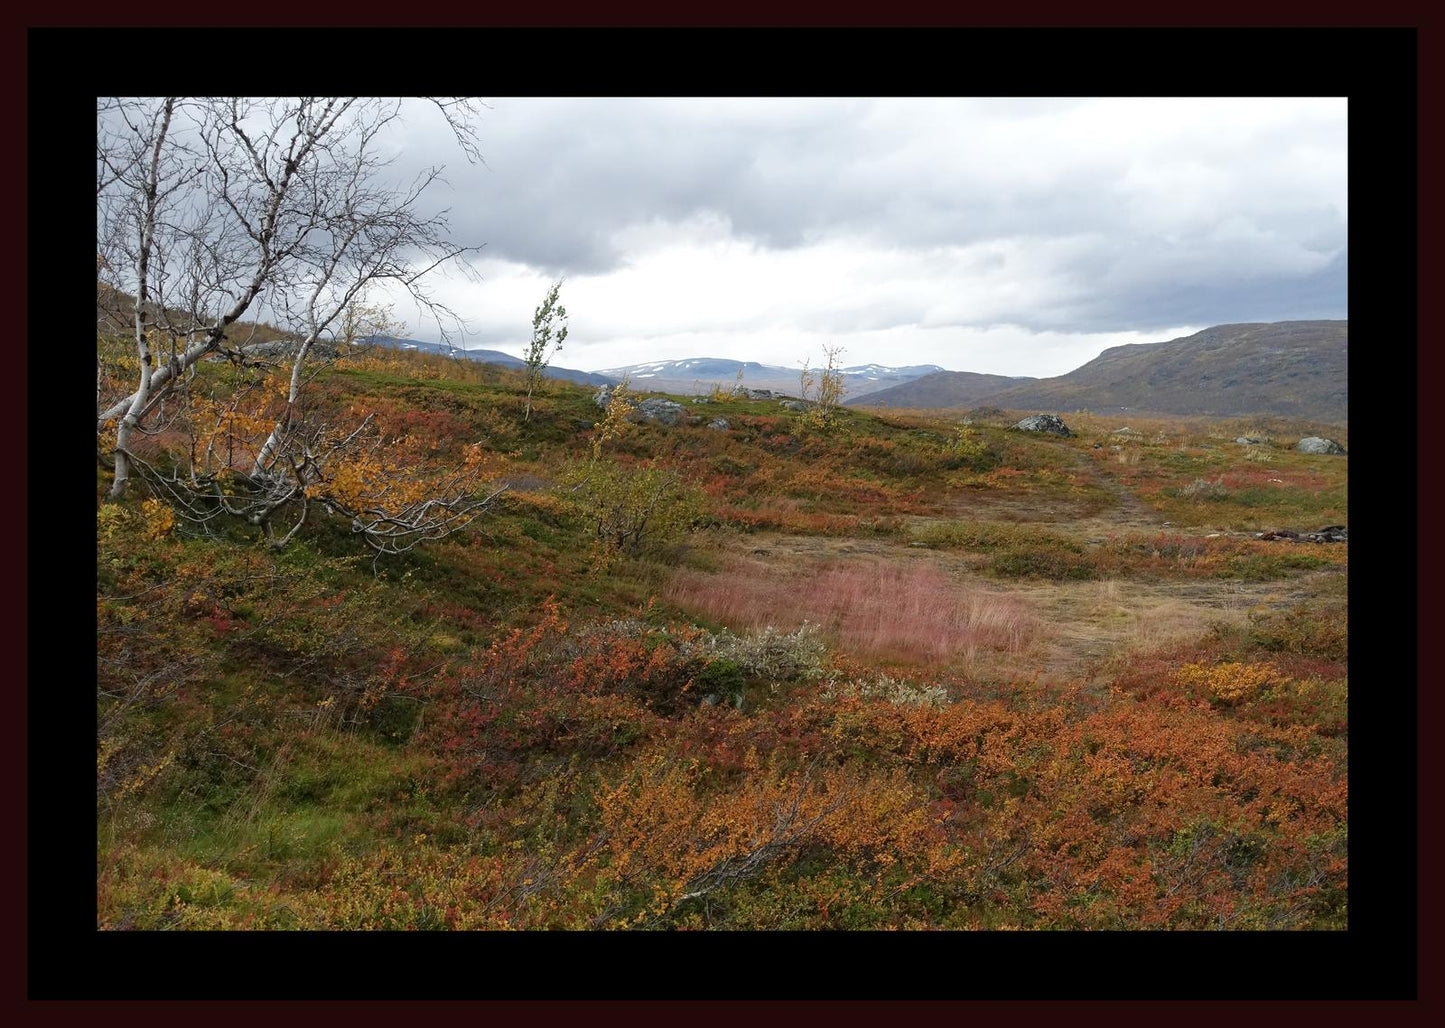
column 900, row 610
column 1083, row 623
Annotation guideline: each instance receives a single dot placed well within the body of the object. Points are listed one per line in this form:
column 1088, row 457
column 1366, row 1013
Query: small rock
column 797, row 405
column 719, row 424
column 1249, row 440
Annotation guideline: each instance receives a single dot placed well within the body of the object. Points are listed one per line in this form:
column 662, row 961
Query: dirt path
column 1077, row 515
column 1131, row 512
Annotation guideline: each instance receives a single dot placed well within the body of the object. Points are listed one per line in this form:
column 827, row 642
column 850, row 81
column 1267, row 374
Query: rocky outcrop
column 1328, row 534
column 1044, row 423
column 660, row 410
column 1314, row 444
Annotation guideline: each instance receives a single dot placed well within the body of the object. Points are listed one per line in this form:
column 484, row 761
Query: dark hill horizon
column 1288, row 368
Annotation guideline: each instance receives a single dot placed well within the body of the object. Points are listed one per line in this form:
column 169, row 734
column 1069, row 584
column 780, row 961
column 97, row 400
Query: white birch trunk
column 142, row 344
column 283, row 425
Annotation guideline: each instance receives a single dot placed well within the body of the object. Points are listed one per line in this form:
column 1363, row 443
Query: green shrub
column 1043, row 562
column 1304, row 630
column 631, row 508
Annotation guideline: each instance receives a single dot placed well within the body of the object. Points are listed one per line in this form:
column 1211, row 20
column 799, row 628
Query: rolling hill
column 489, row 357
column 940, row 389
column 1289, row 368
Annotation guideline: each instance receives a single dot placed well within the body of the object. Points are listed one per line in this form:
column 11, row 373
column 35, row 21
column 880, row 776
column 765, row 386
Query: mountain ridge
column 1289, row 368
column 698, row 374
column 490, row 357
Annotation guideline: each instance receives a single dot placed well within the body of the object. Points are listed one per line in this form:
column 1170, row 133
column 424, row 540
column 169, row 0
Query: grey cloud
column 564, row 176
column 1152, row 306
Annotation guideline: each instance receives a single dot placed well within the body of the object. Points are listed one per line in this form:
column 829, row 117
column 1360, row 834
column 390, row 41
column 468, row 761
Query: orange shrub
column 1229, row 684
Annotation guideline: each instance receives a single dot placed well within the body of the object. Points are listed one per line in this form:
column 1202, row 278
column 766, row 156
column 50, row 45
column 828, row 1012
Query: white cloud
column 1015, row 236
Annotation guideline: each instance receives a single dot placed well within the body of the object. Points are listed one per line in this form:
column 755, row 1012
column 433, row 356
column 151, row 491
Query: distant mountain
column 489, row 357
column 940, row 389
column 1288, row 368
column 696, row 375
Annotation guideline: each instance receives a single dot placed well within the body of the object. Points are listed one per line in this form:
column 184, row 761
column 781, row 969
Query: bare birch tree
column 210, row 208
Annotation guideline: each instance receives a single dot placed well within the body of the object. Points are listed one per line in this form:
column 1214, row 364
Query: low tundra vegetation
column 770, row 677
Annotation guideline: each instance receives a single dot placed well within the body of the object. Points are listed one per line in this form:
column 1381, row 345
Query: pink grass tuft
column 898, row 610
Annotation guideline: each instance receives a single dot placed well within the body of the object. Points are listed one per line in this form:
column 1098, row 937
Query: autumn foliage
column 600, row 707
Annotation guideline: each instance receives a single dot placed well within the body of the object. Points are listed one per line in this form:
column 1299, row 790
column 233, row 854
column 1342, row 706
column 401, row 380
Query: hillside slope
column 506, row 360
column 1288, row 368
column 941, row 389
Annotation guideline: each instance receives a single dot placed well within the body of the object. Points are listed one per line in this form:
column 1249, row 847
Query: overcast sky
column 1008, row 236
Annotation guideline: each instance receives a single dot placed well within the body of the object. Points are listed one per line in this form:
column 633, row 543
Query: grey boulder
column 660, row 410
column 1314, row 444
column 1044, row 423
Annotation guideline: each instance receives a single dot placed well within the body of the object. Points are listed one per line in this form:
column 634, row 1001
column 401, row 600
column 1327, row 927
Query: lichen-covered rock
column 797, row 405
column 603, row 396
column 1044, row 423
column 1250, row 440
column 742, row 392
column 720, row 424
column 660, row 410
column 1314, row 444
